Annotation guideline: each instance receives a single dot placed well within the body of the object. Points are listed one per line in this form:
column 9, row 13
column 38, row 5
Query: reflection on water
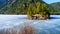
column 51, row 26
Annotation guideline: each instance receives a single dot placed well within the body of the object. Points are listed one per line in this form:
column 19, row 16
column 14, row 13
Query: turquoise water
column 51, row 26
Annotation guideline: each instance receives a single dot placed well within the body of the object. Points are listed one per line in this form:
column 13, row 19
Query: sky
column 51, row 1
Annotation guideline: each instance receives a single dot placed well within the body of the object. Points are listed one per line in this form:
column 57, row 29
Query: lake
column 51, row 26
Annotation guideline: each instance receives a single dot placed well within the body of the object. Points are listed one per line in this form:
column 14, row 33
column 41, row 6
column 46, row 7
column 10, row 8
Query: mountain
column 56, row 7
column 17, row 6
column 2, row 3
column 20, row 6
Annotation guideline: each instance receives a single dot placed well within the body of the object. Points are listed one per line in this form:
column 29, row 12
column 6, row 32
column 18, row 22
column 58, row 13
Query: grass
column 27, row 30
column 24, row 30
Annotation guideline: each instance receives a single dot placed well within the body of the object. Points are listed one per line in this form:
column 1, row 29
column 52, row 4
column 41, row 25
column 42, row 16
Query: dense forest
column 21, row 7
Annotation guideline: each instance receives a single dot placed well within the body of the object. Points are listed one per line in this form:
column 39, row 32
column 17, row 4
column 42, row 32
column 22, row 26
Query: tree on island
column 38, row 10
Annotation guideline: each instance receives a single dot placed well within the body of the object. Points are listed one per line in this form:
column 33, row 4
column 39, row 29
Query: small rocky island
column 38, row 11
column 38, row 17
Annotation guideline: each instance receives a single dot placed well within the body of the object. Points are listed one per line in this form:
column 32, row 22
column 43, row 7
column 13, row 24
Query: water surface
column 51, row 26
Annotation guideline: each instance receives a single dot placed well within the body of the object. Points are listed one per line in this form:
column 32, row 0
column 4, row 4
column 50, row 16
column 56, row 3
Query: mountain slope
column 56, row 7
column 18, row 7
column 4, row 3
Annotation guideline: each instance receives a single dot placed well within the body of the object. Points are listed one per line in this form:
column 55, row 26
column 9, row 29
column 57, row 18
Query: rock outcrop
column 38, row 17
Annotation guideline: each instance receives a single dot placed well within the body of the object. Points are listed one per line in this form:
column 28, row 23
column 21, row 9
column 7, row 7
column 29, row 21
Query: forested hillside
column 2, row 3
column 55, row 7
column 21, row 6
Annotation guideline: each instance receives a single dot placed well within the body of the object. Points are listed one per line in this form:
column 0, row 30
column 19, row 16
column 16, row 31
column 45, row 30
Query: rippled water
column 51, row 26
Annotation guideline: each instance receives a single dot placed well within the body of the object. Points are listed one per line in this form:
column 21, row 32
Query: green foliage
column 37, row 8
column 20, row 7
